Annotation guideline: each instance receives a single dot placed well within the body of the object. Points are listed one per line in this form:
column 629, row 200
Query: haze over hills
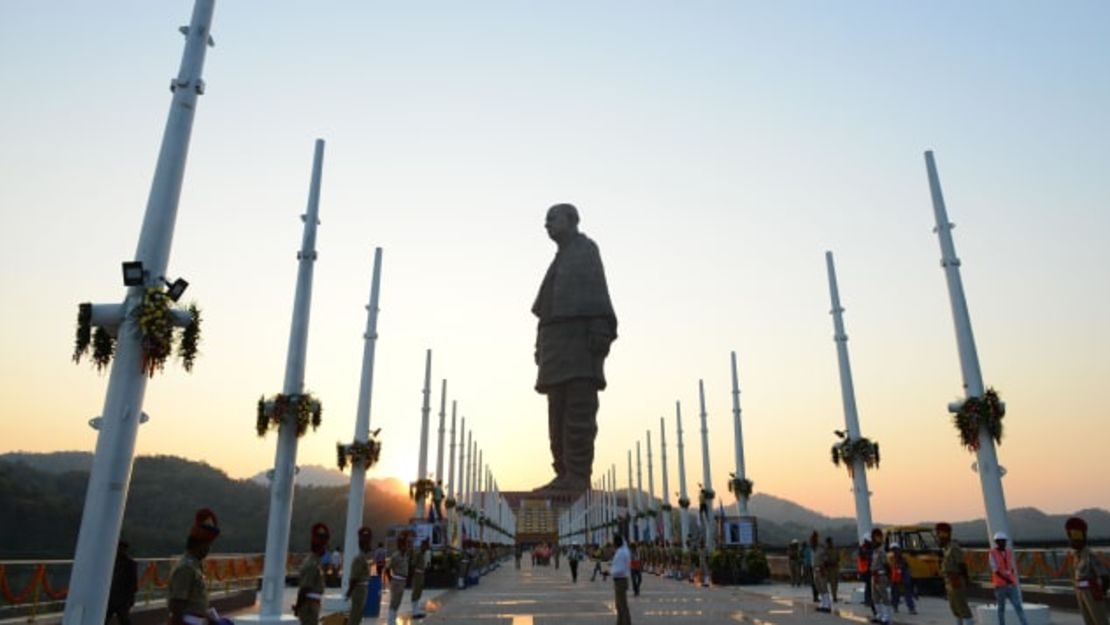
column 42, row 496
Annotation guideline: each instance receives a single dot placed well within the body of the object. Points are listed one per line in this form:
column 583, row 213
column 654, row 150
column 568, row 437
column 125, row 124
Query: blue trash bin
column 373, row 597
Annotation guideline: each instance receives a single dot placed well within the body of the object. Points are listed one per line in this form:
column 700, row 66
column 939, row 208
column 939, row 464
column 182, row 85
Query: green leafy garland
column 156, row 335
column 848, row 450
column 450, row 503
column 305, row 408
column 741, row 487
column 190, row 339
column 84, row 331
column 359, row 454
column 684, row 502
column 666, row 507
column 707, row 495
column 979, row 412
column 421, row 488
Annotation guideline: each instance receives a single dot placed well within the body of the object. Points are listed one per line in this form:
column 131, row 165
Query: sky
column 715, row 151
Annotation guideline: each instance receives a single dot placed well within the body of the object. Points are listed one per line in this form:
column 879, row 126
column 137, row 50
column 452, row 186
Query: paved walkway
column 544, row 596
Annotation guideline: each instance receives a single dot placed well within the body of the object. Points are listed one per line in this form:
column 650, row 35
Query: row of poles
column 110, row 475
column 475, row 491
column 599, row 509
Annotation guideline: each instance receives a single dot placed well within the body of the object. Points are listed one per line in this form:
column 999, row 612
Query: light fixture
column 176, row 289
column 133, row 273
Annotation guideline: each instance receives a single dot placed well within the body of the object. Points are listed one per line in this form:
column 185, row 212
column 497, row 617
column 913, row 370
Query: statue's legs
column 579, row 432
column 556, row 404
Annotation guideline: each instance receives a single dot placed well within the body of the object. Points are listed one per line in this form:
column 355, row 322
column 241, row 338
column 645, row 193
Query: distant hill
column 309, row 475
column 42, row 507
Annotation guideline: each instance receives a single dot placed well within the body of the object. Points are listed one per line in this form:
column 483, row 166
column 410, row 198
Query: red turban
column 205, row 527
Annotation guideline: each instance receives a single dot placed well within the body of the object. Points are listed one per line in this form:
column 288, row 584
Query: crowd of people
column 880, row 564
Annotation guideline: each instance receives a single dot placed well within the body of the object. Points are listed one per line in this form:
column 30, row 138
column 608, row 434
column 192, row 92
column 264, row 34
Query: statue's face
column 558, row 224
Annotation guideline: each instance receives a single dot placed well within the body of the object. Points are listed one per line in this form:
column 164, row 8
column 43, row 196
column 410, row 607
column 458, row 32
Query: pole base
column 258, row 619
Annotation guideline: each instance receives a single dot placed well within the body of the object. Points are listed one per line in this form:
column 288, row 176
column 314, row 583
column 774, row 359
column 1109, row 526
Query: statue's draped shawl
column 575, row 286
column 572, row 305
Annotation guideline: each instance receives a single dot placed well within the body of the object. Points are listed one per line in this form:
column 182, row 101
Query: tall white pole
column 711, row 528
column 666, row 486
column 481, row 495
column 110, row 476
column 641, row 525
column 450, row 486
column 425, row 410
column 990, row 474
column 633, row 523
column 848, row 395
column 684, row 516
column 651, row 490
column 357, row 495
column 741, row 500
column 442, row 423
column 285, row 461
column 467, row 460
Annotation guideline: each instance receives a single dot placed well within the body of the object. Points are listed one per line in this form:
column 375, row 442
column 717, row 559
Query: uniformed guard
column 880, row 577
column 416, row 569
column 1091, row 577
column 399, row 574
column 311, row 588
column 956, row 577
column 821, row 573
column 360, row 576
column 187, row 596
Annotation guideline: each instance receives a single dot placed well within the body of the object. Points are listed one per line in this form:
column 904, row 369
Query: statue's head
column 561, row 222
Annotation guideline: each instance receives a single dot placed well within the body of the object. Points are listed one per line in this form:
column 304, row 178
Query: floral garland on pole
column 979, row 412
column 305, row 408
column 666, row 507
column 450, row 503
column 358, row 454
column 848, row 450
column 684, row 502
column 741, row 486
column 421, row 488
column 156, row 335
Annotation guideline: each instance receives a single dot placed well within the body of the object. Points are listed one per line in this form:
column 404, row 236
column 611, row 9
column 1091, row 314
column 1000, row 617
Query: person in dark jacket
column 125, row 583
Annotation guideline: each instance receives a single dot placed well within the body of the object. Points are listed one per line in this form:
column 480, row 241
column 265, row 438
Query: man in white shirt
column 621, row 569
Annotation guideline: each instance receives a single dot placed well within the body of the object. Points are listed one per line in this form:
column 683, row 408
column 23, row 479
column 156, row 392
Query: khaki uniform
column 820, row 572
column 955, row 581
column 417, row 565
column 832, row 569
column 880, row 577
column 310, row 590
column 1088, row 579
column 399, row 574
column 360, row 576
column 187, row 584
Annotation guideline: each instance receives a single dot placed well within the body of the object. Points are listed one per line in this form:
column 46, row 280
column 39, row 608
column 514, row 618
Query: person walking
column 880, row 578
column 621, row 569
column 794, row 558
column 807, row 563
column 398, row 575
column 416, row 569
column 901, row 581
column 360, row 576
column 381, row 556
column 863, row 567
column 832, row 565
column 310, row 590
column 821, row 574
column 125, row 583
column 636, row 565
column 1004, row 578
column 187, row 594
column 573, row 556
column 1091, row 579
column 956, row 577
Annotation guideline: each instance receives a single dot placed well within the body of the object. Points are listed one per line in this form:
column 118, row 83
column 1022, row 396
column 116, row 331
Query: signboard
column 740, row 531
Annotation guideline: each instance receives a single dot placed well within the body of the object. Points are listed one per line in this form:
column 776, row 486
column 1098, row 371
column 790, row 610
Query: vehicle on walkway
column 922, row 552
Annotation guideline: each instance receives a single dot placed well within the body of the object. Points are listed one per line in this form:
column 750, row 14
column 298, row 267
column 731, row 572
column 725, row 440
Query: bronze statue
column 576, row 326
